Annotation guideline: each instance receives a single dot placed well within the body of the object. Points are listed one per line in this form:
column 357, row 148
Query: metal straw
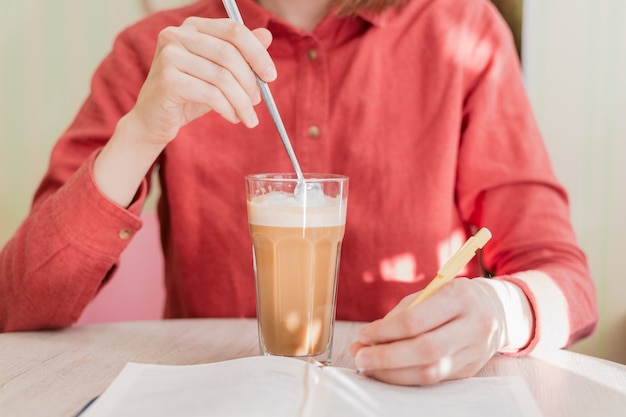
column 233, row 12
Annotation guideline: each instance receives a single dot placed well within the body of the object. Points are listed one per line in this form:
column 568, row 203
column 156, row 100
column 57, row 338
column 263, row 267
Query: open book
column 279, row 386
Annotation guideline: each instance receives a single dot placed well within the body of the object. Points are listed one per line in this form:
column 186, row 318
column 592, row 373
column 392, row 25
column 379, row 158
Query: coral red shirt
column 422, row 106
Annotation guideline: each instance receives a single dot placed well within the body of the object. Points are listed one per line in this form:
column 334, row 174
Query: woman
column 419, row 102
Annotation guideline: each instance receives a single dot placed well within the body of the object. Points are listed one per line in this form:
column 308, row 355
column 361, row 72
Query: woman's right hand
column 203, row 65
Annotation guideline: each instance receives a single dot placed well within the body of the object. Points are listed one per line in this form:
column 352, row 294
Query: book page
column 343, row 392
column 279, row 386
column 256, row 386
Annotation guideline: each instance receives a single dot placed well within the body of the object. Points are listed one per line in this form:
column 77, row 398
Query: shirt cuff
column 90, row 220
column 517, row 314
column 550, row 310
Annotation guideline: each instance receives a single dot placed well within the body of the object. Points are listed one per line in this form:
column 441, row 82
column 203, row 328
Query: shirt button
column 313, row 131
column 312, row 54
column 125, row 234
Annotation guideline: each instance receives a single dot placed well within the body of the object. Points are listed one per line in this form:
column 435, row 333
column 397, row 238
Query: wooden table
column 54, row 373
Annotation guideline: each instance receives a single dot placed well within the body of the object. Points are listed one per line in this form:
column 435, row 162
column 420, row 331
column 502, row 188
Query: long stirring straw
column 233, row 12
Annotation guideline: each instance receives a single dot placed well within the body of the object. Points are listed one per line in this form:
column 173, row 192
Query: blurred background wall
column 48, row 50
column 574, row 56
column 574, row 60
column 575, row 64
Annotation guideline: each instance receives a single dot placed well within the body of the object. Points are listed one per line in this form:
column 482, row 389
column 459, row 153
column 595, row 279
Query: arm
column 541, row 297
column 541, row 294
column 91, row 195
column 203, row 65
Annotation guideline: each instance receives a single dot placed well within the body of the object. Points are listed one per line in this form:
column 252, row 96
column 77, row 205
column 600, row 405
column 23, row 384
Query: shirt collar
column 377, row 19
column 256, row 16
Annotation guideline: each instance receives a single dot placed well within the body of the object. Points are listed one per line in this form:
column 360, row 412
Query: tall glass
column 296, row 227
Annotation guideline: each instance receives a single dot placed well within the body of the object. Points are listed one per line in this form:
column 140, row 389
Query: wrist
column 517, row 316
column 124, row 161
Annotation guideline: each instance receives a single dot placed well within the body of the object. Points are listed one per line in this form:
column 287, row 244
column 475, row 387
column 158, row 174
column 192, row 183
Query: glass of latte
column 296, row 227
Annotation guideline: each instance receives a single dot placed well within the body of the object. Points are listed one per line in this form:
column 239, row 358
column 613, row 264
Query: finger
column 213, row 53
column 180, row 72
column 433, row 312
column 418, row 375
column 264, row 36
column 224, row 81
column 213, row 98
column 235, row 101
column 450, row 352
column 461, row 364
column 418, row 351
column 251, row 49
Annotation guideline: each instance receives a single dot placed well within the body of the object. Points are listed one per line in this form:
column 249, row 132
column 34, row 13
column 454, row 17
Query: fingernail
column 253, row 120
column 361, row 361
column 256, row 97
column 270, row 73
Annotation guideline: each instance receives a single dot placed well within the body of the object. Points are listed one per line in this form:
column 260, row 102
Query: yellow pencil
column 452, row 267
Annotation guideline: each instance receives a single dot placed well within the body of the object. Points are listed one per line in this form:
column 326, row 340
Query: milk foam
column 281, row 209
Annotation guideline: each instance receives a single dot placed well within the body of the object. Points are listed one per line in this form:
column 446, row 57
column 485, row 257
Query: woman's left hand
column 450, row 335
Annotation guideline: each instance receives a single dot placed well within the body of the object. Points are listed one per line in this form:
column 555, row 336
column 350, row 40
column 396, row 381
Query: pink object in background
column 137, row 290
